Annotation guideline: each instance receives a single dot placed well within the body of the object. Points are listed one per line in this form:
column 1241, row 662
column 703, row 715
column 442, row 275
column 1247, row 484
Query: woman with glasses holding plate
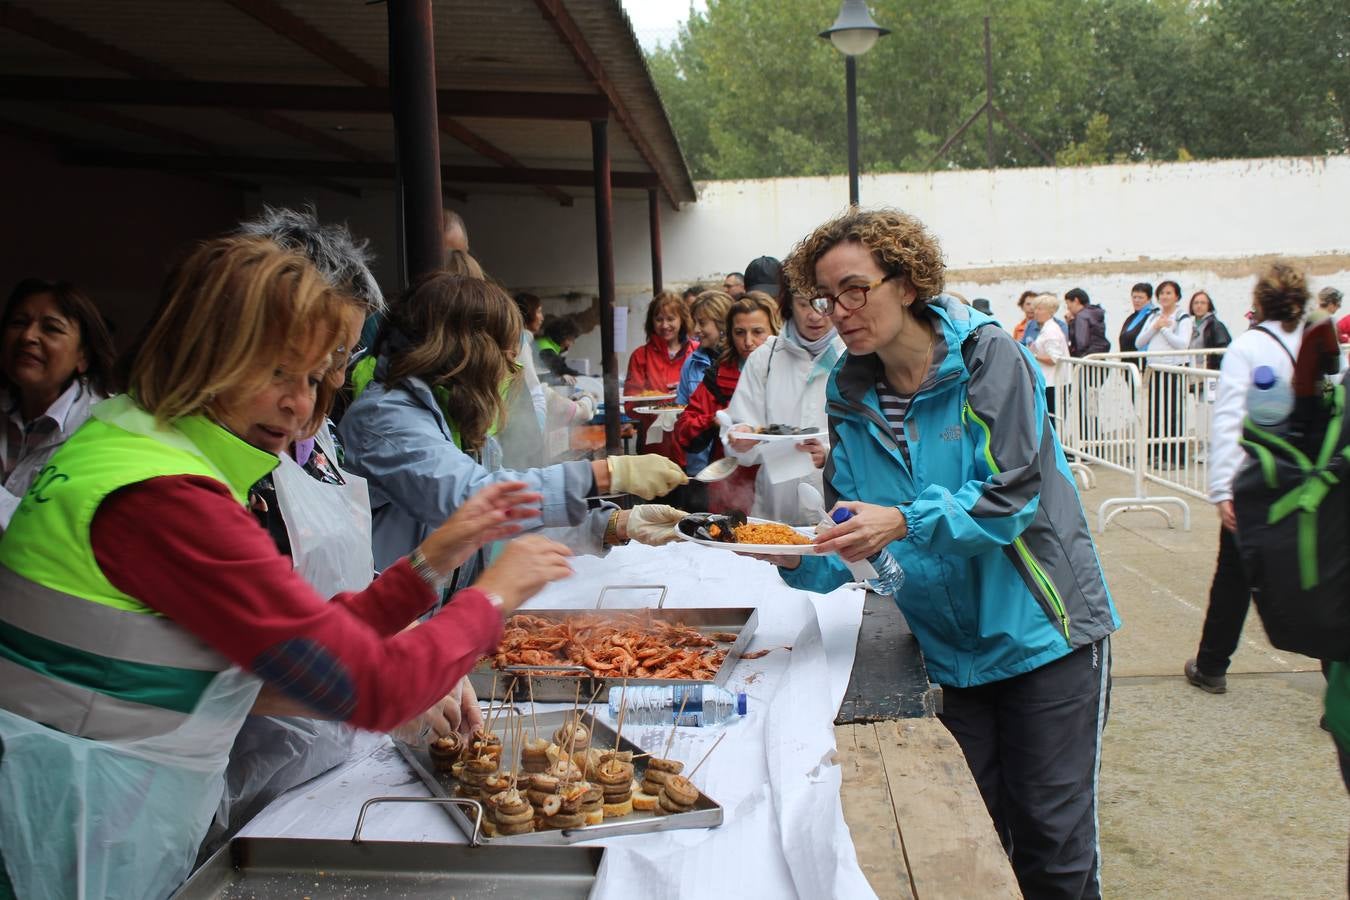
column 941, row 447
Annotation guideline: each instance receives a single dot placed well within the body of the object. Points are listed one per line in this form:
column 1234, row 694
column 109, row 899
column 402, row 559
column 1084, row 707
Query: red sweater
column 183, row 546
column 698, row 415
column 650, row 368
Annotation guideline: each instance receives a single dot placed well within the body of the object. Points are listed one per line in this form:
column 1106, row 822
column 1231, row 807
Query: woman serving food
column 142, row 606
column 941, row 447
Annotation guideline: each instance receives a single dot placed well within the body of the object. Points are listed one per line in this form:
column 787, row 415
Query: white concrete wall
column 1102, row 228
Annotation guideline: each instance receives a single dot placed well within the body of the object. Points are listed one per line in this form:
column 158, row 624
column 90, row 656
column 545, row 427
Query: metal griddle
column 496, row 684
column 705, row 814
column 292, row 868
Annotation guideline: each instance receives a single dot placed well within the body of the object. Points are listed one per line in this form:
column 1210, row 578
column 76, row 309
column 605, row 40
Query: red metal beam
column 343, row 169
column 297, row 30
column 556, row 14
column 308, row 97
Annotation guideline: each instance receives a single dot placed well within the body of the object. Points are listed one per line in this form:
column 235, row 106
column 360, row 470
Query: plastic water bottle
column 890, row 576
column 658, row 704
column 1270, row 399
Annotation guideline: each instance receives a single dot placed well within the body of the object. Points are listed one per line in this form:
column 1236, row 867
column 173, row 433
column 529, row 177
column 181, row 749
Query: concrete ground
column 1225, row 796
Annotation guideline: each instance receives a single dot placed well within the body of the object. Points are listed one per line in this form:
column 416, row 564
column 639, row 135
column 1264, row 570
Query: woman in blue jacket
column 940, row 444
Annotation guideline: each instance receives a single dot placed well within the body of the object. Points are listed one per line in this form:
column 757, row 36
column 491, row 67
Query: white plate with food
column 656, row 410
column 646, row 398
column 741, row 534
column 769, row 436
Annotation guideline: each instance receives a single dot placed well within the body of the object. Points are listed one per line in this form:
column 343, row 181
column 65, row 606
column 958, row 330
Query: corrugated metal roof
column 481, row 45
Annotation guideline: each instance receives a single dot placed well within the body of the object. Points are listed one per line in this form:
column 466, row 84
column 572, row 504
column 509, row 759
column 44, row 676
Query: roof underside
column 222, row 88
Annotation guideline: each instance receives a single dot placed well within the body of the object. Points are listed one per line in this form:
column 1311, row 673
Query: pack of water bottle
column 1270, row 398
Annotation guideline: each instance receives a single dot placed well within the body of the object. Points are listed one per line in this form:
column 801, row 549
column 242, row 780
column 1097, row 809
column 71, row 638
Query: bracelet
column 423, row 570
column 611, row 538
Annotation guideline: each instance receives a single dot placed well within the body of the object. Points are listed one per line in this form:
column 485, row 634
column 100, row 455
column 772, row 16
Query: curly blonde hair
column 899, row 242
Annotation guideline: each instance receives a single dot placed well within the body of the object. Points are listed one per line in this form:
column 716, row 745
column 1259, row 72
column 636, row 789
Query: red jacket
column 650, row 368
column 698, row 415
column 738, row 490
column 1343, row 329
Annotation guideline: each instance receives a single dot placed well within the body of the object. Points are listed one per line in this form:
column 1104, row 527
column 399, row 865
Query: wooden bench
column 919, row 826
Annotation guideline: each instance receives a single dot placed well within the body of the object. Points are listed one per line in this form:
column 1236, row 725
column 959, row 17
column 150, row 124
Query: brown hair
column 458, row 333
column 668, row 300
column 457, row 262
column 76, row 306
column 897, row 241
column 1281, row 293
column 711, row 305
column 753, row 302
column 229, row 315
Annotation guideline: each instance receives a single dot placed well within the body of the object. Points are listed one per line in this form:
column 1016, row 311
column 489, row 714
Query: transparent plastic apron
column 329, row 530
column 82, row 818
column 114, row 819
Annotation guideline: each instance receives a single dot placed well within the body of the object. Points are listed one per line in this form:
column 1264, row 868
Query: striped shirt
column 894, row 404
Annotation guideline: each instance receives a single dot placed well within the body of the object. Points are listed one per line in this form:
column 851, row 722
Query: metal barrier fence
column 1151, row 424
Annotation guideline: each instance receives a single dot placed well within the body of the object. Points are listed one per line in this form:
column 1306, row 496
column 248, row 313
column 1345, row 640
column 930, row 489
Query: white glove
column 653, row 524
column 585, row 409
column 647, row 476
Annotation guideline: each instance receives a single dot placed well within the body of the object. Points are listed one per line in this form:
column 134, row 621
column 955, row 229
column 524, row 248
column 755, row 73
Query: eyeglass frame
column 829, row 301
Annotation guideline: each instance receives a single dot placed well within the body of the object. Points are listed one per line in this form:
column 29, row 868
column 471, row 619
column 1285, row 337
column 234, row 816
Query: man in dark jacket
column 1087, row 325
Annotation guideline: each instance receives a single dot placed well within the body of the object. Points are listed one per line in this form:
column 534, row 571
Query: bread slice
column 644, row 802
column 595, row 816
column 618, row 810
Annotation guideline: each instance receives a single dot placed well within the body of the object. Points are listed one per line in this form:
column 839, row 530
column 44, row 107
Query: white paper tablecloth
column 775, row 774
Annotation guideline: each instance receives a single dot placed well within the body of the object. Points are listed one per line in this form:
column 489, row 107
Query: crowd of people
column 190, row 617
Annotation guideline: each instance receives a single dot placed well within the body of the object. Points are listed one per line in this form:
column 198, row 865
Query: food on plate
column 658, row 770
column 446, row 751
column 572, row 802
column 511, row 813
column 534, row 756
column 724, row 637
column 615, row 779
column 786, row 429
column 474, row 776
column 615, row 645
column 677, row 795
column 572, row 737
column 769, row 533
column 735, row 528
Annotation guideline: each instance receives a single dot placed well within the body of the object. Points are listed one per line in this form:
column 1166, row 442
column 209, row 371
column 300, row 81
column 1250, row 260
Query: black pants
column 1033, row 743
column 1229, row 599
column 1167, row 418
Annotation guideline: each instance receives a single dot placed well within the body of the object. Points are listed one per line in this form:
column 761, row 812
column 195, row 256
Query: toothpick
column 534, row 715
column 706, row 755
column 623, row 708
column 492, row 696
column 665, row 754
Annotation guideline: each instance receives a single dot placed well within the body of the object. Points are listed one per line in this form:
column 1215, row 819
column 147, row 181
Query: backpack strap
column 1270, row 334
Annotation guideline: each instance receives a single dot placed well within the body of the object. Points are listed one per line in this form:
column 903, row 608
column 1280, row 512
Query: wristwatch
column 423, row 570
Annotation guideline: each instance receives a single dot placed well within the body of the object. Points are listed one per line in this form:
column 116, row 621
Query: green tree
column 754, row 93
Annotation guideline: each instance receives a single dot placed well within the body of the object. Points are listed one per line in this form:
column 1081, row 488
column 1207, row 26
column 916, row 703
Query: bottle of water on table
column 659, row 704
column 1270, row 399
column 890, row 577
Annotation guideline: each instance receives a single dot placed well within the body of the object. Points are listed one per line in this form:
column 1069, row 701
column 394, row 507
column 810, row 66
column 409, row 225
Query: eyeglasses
column 850, row 298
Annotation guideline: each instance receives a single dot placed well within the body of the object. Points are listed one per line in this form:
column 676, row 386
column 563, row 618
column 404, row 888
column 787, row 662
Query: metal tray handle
column 558, row 668
column 660, row 604
column 475, row 839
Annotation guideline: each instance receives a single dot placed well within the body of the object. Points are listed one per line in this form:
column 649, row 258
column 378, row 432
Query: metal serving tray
column 705, row 814
column 265, row 868
column 496, row 684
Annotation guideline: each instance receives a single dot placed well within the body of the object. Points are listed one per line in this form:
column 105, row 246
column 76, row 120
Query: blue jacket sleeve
column 1005, row 417
column 400, row 448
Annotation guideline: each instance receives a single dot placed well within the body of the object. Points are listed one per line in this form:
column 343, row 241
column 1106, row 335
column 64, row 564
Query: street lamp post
column 853, row 34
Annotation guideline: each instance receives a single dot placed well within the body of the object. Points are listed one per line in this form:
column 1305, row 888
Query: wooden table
column 919, row 826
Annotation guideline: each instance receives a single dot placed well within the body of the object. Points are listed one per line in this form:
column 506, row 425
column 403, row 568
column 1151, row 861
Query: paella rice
column 768, row 533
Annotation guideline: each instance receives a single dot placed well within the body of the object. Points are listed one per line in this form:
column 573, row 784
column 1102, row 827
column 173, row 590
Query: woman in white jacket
column 1167, row 331
column 783, row 383
column 1279, row 299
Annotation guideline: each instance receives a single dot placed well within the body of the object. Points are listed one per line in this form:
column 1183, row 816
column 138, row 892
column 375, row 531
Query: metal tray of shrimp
column 466, row 814
column 731, row 628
